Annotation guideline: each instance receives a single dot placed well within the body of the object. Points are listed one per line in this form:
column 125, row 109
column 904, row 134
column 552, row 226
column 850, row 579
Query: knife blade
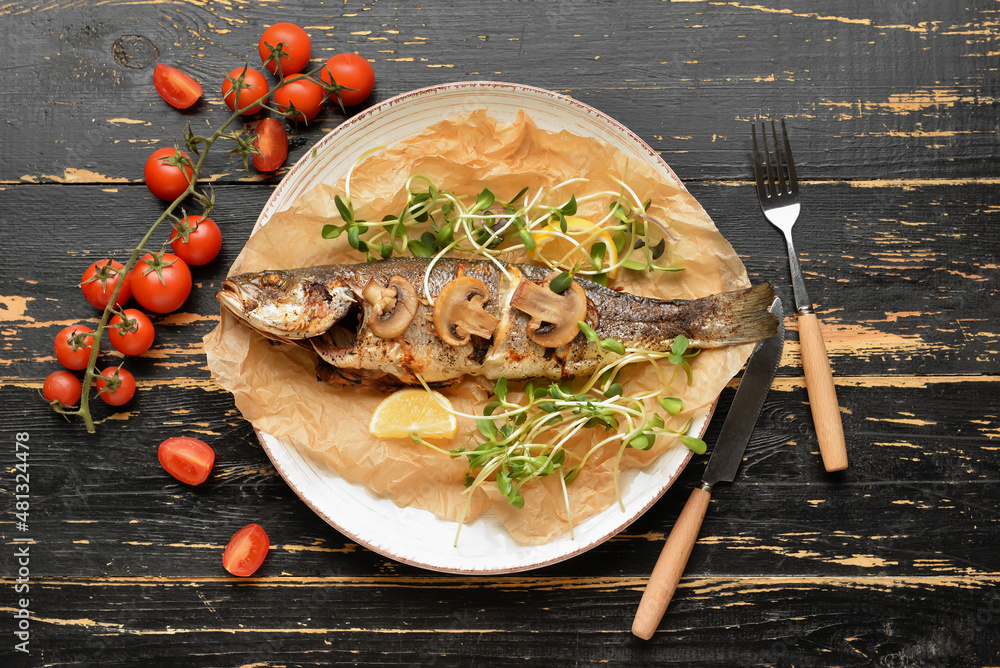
column 722, row 467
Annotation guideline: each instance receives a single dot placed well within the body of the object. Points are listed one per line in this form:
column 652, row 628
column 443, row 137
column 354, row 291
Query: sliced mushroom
column 459, row 312
column 393, row 307
column 560, row 311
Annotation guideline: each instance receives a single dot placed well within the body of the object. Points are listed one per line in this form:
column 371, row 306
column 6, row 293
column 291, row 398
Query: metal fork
column 779, row 200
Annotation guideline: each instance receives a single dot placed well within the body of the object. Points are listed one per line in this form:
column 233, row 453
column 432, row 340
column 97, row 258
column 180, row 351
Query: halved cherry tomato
column 272, row 142
column 178, row 89
column 306, row 96
column 187, row 459
column 99, row 281
column 295, row 52
column 62, row 386
column 161, row 295
column 257, row 88
column 352, row 71
column 73, row 346
column 164, row 175
column 246, row 550
column 120, row 389
column 138, row 335
column 203, row 242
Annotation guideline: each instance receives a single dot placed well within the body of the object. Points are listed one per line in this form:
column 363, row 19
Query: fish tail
column 742, row 317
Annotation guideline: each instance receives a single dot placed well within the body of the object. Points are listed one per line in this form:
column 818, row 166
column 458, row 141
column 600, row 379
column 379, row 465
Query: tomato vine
column 200, row 146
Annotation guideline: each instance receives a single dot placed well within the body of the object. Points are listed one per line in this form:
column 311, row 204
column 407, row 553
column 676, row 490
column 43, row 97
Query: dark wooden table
column 893, row 112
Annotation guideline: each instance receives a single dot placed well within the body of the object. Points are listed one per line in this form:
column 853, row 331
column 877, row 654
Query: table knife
column 722, row 466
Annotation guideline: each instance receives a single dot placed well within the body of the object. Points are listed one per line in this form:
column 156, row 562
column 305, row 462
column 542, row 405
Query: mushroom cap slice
column 393, row 307
column 459, row 313
column 561, row 311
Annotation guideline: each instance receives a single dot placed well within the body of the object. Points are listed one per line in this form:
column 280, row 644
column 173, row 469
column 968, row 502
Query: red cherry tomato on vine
column 73, row 345
column 295, row 52
column 164, row 176
column 204, row 241
column 352, row 71
column 99, row 282
column 257, row 88
column 120, row 390
column 178, row 89
column 187, row 459
column 138, row 336
column 154, row 294
column 306, row 96
column 62, row 386
column 246, row 550
column 272, row 142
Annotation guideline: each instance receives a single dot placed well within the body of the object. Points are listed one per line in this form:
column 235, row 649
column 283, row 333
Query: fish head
column 286, row 304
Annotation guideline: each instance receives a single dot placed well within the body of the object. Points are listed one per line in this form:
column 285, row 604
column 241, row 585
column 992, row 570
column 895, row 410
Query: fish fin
column 749, row 320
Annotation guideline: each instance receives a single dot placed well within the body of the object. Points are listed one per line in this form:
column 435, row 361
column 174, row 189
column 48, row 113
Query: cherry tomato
column 257, row 89
column 99, row 281
column 165, row 180
column 295, row 52
column 352, row 71
column 187, row 459
column 246, row 550
column 306, row 96
column 73, row 345
column 156, row 294
column 178, row 89
column 120, row 390
column 272, row 141
column 204, row 240
column 138, row 336
column 62, row 386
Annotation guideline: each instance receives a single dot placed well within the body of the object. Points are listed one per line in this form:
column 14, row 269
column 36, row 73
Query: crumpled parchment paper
column 275, row 386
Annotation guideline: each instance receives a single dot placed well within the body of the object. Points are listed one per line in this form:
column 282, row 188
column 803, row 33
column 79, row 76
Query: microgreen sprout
column 518, row 441
column 435, row 222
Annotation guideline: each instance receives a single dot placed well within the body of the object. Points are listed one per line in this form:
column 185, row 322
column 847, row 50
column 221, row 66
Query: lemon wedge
column 414, row 411
column 551, row 244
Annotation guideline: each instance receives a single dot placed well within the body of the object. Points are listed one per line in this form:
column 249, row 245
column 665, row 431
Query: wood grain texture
column 892, row 112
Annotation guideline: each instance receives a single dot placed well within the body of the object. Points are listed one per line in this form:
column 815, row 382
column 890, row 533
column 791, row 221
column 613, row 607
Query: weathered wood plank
column 450, row 622
column 686, row 77
column 918, row 499
column 902, row 283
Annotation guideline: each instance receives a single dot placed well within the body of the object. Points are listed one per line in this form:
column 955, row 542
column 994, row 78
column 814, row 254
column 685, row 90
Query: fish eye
column 273, row 280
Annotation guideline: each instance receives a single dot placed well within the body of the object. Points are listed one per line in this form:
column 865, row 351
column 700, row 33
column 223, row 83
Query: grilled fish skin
column 321, row 308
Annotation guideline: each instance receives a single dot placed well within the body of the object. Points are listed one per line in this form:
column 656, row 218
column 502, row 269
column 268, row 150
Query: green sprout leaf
column 569, row 208
column 344, row 208
column 483, row 202
column 587, row 330
column 696, row 445
column 561, row 283
column 332, row 231
column 672, row 405
column 613, row 346
column 419, row 248
column 528, row 239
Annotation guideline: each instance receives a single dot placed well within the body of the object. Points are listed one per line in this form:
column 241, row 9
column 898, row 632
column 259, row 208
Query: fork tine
column 793, row 182
column 758, row 173
column 777, row 159
column 768, row 168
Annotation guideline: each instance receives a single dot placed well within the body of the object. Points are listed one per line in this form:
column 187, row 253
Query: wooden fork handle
column 822, row 394
column 670, row 565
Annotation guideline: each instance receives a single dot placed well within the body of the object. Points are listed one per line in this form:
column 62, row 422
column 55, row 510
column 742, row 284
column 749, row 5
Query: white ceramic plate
column 416, row 536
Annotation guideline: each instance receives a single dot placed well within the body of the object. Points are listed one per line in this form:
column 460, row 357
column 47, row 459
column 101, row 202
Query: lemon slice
column 583, row 234
column 414, row 411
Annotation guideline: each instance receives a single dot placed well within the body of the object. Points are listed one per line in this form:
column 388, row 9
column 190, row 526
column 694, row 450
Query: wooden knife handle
column 822, row 395
column 670, row 565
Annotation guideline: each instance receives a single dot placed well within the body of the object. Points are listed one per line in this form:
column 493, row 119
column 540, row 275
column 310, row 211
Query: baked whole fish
column 371, row 323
